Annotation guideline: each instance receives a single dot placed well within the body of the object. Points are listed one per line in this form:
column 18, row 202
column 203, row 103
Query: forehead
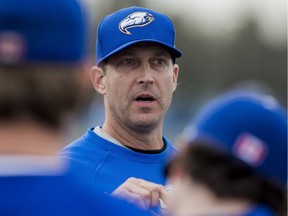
column 137, row 49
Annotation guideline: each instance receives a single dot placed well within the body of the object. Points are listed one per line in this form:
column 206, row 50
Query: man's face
column 139, row 83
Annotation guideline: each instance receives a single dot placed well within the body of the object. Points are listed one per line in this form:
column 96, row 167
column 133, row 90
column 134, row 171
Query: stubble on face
column 123, row 90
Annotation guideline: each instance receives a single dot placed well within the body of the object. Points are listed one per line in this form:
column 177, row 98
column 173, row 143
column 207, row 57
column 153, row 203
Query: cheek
column 116, row 91
column 167, row 89
column 112, row 84
column 170, row 80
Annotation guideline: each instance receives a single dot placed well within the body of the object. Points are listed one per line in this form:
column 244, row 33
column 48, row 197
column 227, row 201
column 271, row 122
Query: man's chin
column 146, row 125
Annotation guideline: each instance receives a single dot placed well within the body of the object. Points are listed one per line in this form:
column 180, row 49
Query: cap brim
column 174, row 51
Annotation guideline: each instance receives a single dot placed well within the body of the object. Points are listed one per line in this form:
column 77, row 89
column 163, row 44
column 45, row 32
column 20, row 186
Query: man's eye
column 159, row 61
column 128, row 61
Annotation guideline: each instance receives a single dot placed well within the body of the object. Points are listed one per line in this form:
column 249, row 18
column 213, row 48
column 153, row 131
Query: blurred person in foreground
column 42, row 51
column 136, row 73
column 235, row 161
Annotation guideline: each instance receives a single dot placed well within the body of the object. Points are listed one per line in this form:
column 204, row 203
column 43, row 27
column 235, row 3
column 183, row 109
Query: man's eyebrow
column 158, row 53
column 163, row 53
column 125, row 53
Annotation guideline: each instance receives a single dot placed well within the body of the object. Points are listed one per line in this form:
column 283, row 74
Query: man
column 42, row 50
column 137, row 75
column 236, row 159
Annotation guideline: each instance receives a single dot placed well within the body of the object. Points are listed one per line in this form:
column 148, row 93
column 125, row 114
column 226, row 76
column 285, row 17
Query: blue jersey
column 57, row 195
column 260, row 210
column 109, row 165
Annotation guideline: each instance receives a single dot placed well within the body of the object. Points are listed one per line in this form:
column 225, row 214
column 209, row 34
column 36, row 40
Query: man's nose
column 146, row 75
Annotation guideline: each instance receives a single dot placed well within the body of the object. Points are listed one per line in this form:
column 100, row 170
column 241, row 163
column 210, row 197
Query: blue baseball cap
column 133, row 25
column 41, row 30
column 250, row 126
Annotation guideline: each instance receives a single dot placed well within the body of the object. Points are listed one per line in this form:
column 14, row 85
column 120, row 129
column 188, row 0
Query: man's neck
column 29, row 138
column 148, row 140
column 198, row 200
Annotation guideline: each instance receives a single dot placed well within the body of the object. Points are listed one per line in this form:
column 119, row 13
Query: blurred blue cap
column 133, row 25
column 41, row 30
column 250, row 126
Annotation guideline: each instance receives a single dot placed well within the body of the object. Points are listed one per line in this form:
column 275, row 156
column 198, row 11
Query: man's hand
column 142, row 193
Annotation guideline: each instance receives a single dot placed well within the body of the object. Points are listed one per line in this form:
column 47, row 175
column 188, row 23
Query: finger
column 136, row 200
column 155, row 191
column 157, row 194
column 133, row 193
column 131, row 197
column 127, row 186
column 142, row 193
column 149, row 185
column 164, row 195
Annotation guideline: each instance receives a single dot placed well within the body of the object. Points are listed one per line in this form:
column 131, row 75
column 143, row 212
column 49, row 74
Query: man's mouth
column 145, row 98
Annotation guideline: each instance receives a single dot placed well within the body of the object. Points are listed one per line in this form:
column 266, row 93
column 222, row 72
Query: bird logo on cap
column 136, row 19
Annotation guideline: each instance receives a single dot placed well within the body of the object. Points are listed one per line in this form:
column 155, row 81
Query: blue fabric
column 57, row 195
column 133, row 25
column 46, row 30
column 109, row 165
column 259, row 210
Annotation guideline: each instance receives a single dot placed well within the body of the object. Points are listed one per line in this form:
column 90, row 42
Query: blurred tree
column 209, row 67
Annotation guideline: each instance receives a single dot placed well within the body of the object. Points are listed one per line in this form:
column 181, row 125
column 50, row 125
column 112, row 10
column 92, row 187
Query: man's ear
column 98, row 79
column 175, row 76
